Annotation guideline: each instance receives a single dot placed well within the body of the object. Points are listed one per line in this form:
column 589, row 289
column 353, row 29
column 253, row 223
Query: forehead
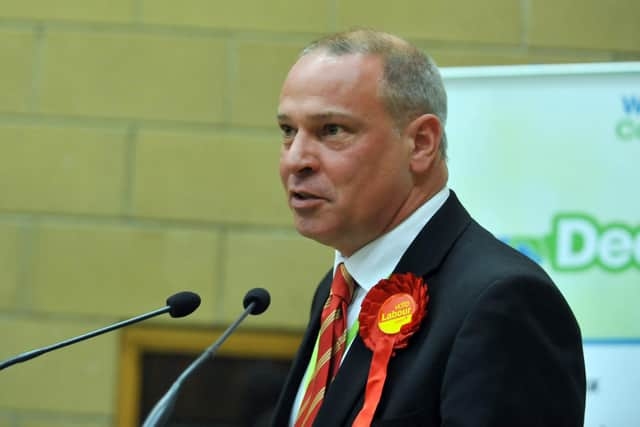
column 320, row 80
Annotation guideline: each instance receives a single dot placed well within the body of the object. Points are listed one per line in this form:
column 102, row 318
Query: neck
column 424, row 188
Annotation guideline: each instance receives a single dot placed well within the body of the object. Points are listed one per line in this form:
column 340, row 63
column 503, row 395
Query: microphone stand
column 178, row 305
column 35, row 353
column 161, row 412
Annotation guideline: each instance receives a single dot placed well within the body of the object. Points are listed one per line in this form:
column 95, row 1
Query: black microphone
column 255, row 301
column 178, row 305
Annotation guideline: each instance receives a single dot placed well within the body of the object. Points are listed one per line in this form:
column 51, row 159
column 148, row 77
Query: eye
column 287, row 131
column 332, row 129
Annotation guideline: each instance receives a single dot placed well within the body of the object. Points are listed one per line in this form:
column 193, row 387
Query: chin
column 321, row 235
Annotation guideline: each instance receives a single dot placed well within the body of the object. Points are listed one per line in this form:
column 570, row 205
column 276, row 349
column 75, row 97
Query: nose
column 299, row 157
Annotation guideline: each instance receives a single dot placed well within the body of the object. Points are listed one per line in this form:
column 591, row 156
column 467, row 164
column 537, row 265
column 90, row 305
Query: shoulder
column 508, row 325
column 478, row 260
column 482, row 276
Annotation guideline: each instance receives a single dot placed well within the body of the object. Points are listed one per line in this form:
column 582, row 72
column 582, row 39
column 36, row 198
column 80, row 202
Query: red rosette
column 397, row 284
column 391, row 312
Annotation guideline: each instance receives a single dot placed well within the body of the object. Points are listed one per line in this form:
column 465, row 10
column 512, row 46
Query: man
column 363, row 163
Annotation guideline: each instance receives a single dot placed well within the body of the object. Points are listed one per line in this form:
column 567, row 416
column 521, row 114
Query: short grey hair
column 411, row 84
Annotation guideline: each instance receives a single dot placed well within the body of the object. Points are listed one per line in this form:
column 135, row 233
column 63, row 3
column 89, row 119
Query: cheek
column 382, row 182
column 282, row 171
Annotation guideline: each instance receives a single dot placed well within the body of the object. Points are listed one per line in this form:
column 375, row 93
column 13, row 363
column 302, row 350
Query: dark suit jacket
column 498, row 347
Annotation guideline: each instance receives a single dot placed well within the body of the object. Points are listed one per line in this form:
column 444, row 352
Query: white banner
column 613, row 379
column 548, row 158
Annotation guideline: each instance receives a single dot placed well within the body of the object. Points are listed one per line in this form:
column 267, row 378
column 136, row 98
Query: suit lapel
column 429, row 248
column 422, row 257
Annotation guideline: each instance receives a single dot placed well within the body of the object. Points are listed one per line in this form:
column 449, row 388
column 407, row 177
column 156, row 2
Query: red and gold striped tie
column 331, row 345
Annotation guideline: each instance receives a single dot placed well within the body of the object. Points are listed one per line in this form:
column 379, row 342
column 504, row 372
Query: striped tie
column 331, row 345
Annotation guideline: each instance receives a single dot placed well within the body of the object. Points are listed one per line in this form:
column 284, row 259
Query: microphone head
column 183, row 303
column 261, row 299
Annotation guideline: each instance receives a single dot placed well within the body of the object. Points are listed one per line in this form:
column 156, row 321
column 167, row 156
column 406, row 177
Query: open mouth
column 303, row 196
column 304, row 200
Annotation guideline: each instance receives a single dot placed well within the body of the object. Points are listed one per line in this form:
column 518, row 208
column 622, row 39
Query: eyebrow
column 319, row 116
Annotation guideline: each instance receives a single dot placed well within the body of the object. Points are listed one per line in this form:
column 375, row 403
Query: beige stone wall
column 138, row 157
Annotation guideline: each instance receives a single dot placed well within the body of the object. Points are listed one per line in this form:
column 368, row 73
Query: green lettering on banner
column 578, row 242
column 573, row 242
column 627, row 129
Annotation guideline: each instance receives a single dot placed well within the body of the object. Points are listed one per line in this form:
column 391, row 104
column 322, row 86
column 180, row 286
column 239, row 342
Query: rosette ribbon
column 391, row 312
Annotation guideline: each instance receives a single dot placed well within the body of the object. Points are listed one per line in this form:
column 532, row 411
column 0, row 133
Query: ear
column 425, row 133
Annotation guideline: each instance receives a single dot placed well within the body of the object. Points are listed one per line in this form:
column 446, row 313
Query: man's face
column 343, row 164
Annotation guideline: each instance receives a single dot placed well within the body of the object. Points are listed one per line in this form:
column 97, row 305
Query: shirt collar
column 378, row 258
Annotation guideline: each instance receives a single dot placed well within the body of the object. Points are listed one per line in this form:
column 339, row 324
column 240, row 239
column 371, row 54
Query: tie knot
column 343, row 284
